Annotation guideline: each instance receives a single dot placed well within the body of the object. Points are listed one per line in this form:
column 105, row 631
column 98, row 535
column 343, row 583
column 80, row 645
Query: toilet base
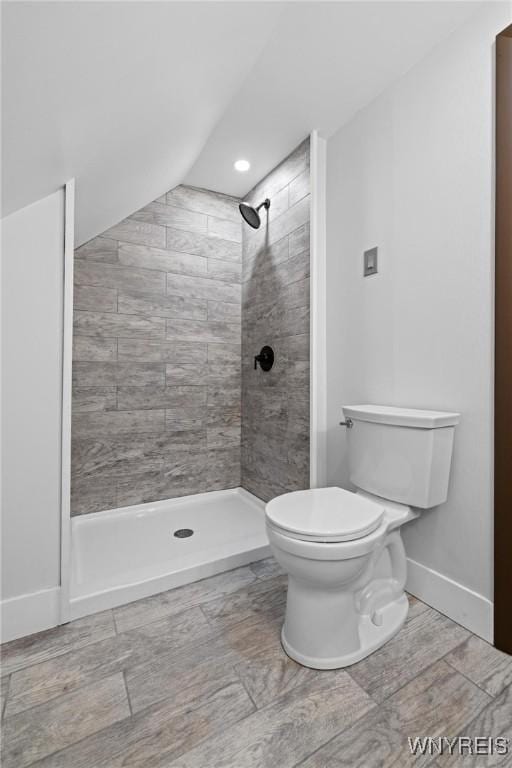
column 371, row 637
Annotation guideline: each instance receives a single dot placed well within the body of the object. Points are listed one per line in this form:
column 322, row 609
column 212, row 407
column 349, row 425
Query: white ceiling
column 132, row 98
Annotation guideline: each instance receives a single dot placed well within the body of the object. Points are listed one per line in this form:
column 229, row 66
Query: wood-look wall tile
column 186, row 373
column 96, row 496
column 299, row 239
column 133, row 231
column 208, row 332
column 219, row 416
column 111, row 324
column 296, row 162
column 118, row 456
column 140, row 374
column 184, row 418
column 162, row 306
column 223, row 311
column 224, row 352
column 204, row 201
column 100, row 249
column 119, row 422
column 118, row 276
column 299, row 187
column 92, row 348
column 171, row 216
column 95, row 298
column 134, row 398
column 222, row 396
column 203, row 288
column 224, row 468
column 229, row 271
column 86, row 399
column 138, row 350
column 223, row 437
column 48, row 728
column 161, row 259
column 226, row 229
column 91, row 374
column 203, row 245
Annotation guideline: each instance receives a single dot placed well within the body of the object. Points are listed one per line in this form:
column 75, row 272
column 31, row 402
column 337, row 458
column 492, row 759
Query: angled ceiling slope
column 120, row 95
column 133, row 98
column 323, row 63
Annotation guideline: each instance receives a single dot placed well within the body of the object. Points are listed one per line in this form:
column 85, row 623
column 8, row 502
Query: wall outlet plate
column 370, row 262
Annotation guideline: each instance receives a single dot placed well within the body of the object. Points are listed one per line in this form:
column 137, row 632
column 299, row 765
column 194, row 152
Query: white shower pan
column 125, row 554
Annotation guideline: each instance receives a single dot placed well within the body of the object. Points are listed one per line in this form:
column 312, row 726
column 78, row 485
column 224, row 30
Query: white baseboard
column 30, row 613
column 468, row 608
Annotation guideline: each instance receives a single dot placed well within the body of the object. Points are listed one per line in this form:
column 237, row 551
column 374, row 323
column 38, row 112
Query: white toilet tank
column 401, row 454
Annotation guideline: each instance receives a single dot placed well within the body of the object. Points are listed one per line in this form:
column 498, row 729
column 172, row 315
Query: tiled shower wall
column 156, row 354
column 275, row 311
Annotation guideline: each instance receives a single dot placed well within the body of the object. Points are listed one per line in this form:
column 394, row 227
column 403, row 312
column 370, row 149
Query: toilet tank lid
column 401, row 417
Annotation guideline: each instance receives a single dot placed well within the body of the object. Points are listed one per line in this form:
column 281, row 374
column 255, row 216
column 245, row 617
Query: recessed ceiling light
column 242, row 165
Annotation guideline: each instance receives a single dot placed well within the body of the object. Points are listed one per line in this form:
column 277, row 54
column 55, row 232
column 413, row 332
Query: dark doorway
column 503, row 360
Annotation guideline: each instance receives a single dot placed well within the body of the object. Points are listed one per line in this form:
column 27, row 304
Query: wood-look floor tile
column 488, row 667
column 43, row 682
column 267, row 568
column 45, row 729
column 54, row 642
column 183, row 675
column 492, row 722
column 260, row 633
column 285, row 732
column 157, row 736
column 271, row 674
column 415, row 606
column 438, row 702
column 175, row 600
column 420, row 642
column 263, row 596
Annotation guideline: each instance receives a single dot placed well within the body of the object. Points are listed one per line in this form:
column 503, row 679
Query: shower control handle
column 265, row 358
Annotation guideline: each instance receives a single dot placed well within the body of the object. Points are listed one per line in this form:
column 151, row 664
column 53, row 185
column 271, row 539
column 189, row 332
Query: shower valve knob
column 265, row 359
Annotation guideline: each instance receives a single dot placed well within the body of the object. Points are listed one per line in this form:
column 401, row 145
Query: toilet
column 342, row 550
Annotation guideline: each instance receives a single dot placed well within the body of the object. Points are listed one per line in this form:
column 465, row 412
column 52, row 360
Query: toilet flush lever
column 348, row 423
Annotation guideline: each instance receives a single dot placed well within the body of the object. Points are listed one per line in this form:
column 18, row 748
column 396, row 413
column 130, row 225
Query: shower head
column 251, row 215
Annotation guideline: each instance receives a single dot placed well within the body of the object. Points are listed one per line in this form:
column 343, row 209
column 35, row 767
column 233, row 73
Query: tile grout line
column 462, row 674
column 127, row 692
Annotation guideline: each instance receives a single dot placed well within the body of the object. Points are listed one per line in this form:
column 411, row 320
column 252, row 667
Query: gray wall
column 156, row 354
column 275, row 311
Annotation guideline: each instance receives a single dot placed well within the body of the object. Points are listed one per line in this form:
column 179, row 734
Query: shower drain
column 183, row 533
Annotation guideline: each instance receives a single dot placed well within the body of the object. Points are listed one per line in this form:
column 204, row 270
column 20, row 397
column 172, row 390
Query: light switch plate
column 370, row 262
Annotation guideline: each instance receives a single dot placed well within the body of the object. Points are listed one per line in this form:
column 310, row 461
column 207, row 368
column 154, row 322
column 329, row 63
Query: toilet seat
column 324, row 515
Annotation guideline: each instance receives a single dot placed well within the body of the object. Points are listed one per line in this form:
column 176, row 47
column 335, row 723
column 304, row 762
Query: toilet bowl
column 343, row 551
column 338, row 608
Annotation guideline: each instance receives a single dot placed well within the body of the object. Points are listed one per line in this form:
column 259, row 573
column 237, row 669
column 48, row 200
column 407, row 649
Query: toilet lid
column 325, row 514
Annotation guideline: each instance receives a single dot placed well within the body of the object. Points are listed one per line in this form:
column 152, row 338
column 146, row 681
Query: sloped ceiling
column 120, row 95
column 133, row 98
